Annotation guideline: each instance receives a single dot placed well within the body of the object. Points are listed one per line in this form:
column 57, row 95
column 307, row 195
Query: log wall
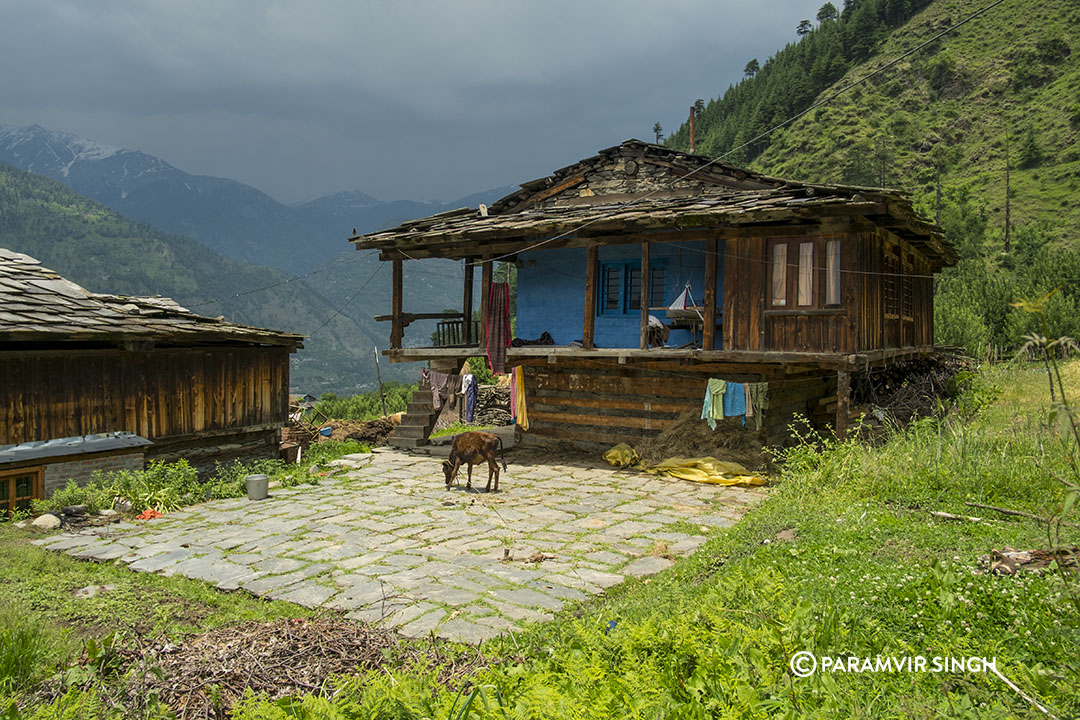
column 168, row 396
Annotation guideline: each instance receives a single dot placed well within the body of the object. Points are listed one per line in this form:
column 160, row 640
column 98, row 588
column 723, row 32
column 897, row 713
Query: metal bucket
column 258, row 486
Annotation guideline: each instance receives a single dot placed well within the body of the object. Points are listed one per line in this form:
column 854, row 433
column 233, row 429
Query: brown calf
column 473, row 448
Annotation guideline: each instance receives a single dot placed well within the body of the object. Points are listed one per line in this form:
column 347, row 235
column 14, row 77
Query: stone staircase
column 417, row 423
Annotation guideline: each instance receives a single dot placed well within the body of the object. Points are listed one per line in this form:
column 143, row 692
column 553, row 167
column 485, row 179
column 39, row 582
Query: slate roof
column 600, row 198
column 78, row 445
column 38, row 304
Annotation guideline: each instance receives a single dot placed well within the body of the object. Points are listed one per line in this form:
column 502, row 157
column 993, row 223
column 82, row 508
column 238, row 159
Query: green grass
column 457, row 428
column 869, row 572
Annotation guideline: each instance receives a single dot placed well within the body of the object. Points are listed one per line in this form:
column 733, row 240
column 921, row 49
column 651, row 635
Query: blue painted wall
column 551, row 290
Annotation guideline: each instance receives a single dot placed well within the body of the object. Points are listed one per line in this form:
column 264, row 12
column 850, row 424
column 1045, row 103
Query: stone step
column 420, row 408
column 411, row 431
column 404, row 442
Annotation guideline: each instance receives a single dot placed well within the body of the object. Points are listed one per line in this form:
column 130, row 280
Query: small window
column 18, row 488
column 620, row 292
column 806, row 274
column 891, row 282
column 612, row 297
column 779, row 274
column 658, row 276
column 832, row 272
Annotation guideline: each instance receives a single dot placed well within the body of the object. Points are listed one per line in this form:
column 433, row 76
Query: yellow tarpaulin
column 704, row 470
column 622, row 455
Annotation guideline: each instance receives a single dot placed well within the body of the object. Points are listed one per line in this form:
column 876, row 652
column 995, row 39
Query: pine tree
column 658, row 131
column 751, row 68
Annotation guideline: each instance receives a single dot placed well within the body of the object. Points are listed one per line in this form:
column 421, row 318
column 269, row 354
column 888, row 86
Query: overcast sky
column 396, row 98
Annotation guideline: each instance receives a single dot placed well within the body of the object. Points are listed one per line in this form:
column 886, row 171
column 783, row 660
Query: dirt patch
column 690, row 436
column 370, row 432
column 205, row 675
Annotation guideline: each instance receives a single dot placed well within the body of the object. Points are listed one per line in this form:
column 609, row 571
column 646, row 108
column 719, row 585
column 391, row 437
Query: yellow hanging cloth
column 519, row 392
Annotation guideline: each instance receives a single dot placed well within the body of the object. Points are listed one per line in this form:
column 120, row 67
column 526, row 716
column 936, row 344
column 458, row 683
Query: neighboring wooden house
column 794, row 284
column 77, row 363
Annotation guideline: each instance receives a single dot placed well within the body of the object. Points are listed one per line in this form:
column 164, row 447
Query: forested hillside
column 994, row 103
column 105, row 252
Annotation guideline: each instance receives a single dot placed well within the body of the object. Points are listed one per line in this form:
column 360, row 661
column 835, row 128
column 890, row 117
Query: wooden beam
column 397, row 330
column 485, row 298
column 645, row 275
column 467, row 303
column 708, row 333
column 592, row 262
column 843, row 402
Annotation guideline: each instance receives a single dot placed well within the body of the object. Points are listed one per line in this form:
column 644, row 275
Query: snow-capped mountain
column 234, row 219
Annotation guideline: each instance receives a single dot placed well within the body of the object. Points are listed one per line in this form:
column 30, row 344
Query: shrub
column 92, row 495
column 162, row 486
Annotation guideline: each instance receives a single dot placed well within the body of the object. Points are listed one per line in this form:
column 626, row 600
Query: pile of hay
column 690, row 436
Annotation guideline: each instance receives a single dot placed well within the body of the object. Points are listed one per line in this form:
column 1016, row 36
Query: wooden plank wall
column 157, row 394
column 604, row 404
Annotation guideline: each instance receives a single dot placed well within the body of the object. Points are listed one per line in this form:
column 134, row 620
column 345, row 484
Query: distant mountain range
column 202, row 241
column 232, row 218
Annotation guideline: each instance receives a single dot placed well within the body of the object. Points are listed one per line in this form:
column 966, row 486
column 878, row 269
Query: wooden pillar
column 592, row 262
column 466, row 304
column 708, row 332
column 397, row 331
column 645, row 277
column 485, row 298
column 843, row 402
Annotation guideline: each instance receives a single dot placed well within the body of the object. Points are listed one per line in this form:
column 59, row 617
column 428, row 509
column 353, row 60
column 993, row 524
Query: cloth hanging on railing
column 497, row 331
column 443, row 387
column 468, row 389
column 517, row 397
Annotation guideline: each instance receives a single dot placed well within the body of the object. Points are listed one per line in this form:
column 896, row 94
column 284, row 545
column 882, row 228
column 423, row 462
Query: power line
column 347, row 302
column 286, row 281
column 765, row 134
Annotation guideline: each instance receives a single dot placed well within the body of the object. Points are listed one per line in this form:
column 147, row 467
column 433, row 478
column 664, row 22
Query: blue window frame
column 620, row 287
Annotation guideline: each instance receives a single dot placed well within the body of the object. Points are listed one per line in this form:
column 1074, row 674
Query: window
column 832, row 272
column 779, row 274
column 19, row 487
column 657, row 275
column 803, row 274
column 621, row 291
column 891, row 281
column 612, row 295
column 806, row 274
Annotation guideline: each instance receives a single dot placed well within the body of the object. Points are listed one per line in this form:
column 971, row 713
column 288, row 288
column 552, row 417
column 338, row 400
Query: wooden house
column 77, row 363
column 794, row 284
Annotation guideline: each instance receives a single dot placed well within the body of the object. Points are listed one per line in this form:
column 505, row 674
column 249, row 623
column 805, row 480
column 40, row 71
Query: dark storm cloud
column 398, row 99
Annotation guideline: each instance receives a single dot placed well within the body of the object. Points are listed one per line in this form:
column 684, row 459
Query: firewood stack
column 492, row 405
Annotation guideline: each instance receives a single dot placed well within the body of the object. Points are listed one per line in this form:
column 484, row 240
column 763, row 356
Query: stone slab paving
column 386, row 543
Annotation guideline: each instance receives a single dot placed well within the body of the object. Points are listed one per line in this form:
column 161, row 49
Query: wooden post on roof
column 708, row 332
column 843, row 402
column 592, row 262
column 646, row 274
column 466, row 305
column 397, row 330
column 485, row 298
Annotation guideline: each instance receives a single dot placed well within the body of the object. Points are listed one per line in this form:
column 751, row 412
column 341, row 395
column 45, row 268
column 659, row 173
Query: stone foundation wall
column 81, row 467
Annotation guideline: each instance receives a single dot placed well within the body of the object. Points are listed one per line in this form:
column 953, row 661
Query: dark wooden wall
column 861, row 322
column 591, row 403
column 163, row 394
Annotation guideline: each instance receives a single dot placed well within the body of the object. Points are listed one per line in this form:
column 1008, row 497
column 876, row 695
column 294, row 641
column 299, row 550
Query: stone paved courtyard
column 387, row 543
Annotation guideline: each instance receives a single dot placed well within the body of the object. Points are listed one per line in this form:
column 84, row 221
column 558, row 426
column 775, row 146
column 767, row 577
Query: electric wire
column 762, row 135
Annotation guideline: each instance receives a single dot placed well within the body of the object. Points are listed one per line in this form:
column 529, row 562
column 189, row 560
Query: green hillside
column 105, row 252
column 939, row 123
